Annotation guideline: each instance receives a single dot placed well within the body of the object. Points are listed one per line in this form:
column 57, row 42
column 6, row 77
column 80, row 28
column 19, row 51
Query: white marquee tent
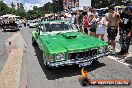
column 9, row 15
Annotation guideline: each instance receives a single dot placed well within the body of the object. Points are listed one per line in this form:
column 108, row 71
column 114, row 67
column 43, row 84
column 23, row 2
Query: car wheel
column 95, row 61
column 84, row 82
column 4, row 30
column 18, row 29
column 34, row 42
column 46, row 66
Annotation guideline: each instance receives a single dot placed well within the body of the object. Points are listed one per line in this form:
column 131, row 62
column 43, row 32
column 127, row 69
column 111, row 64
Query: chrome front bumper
column 74, row 62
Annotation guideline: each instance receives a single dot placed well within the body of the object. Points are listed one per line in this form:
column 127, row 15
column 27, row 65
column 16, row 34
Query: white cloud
column 29, row 6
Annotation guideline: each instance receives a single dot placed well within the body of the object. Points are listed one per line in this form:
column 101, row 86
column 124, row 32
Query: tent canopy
column 9, row 15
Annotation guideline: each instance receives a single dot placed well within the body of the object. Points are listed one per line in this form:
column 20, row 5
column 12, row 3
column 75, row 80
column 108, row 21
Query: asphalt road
column 67, row 77
column 3, row 51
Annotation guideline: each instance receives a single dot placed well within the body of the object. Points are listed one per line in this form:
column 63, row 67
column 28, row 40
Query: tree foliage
column 107, row 3
column 4, row 9
column 58, row 5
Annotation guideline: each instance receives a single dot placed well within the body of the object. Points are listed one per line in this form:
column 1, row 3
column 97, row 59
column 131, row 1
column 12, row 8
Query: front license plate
column 85, row 64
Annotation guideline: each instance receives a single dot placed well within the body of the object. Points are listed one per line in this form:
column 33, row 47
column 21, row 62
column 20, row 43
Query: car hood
column 70, row 42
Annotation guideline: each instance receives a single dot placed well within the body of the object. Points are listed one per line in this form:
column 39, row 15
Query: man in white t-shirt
column 72, row 18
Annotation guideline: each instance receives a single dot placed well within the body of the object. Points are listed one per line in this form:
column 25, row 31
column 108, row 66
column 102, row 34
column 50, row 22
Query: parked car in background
column 62, row 44
column 19, row 22
column 33, row 24
column 28, row 22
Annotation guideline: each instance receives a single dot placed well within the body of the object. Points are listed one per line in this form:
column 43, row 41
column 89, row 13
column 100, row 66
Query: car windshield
column 61, row 26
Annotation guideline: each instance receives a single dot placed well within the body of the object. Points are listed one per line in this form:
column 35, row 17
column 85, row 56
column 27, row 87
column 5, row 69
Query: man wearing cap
column 94, row 12
column 125, row 30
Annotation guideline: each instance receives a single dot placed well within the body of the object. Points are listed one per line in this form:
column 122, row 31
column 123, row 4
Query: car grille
column 83, row 55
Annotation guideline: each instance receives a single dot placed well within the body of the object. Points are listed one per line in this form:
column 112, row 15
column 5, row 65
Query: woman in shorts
column 92, row 25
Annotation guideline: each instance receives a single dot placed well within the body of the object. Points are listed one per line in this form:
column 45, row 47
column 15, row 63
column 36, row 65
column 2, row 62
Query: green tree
column 12, row 5
column 20, row 10
column 4, row 9
column 48, row 7
column 58, row 5
column 107, row 3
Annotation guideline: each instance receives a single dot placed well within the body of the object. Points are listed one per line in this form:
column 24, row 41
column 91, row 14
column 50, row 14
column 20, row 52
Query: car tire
column 18, row 29
column 84, row 82
column 94, row 61
column 4, row 30
column 46, row 66
column 34, row 42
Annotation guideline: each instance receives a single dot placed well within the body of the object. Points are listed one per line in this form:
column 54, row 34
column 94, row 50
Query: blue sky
column 28, row 4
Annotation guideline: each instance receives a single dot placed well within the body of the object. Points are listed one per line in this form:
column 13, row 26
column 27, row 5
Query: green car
column 62, row 44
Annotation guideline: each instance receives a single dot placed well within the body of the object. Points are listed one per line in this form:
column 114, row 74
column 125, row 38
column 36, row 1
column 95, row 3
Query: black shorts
column 92, row 29
column 112, row 32
column 86, row 30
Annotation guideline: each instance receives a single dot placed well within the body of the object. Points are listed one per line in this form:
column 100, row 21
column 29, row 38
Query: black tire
column 18, row 29
column 84, row 82
column 3, row 30
column 46, row 66
column 34, row 42
column 94, row 61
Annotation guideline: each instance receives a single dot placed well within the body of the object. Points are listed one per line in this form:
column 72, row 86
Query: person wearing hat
column 125, row 30
column 93, row 10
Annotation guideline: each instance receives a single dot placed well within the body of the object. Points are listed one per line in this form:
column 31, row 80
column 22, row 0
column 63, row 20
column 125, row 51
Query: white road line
column 120, row 61
column 113, row 58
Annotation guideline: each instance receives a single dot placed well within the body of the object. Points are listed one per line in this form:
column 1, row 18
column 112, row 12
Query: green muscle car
column 62, row 44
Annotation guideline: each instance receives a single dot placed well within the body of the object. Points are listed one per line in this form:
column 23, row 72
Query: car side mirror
column 37, row 30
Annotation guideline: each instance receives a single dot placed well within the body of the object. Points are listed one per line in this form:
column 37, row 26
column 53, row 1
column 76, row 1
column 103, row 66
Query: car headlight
column 60, row 57
column 102, row 49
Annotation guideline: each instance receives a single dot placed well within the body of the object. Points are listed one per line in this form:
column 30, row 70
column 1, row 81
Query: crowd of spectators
column 97, row 24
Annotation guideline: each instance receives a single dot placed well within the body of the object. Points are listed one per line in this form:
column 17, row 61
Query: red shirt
column 85, row 25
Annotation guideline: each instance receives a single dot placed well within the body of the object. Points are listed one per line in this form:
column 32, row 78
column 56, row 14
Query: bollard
column 11, row 47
